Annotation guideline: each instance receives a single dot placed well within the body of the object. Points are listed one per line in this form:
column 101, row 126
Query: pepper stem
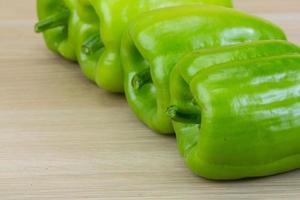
column 59, row 19
column 141, row 79
column 180, row 116
column 92, row 44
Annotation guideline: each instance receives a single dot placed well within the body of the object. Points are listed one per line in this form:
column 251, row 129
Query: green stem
column 194, row 101
column 141, row 79
column 92, row 44
column 59, row 19
column 183, row 117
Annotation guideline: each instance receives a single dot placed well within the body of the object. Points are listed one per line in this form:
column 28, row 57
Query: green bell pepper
column 56, row 22
column 190, row 65
column 155, row 43
column 238, row 117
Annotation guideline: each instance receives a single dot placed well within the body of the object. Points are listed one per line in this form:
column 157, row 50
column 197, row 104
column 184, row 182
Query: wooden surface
column 63, row 138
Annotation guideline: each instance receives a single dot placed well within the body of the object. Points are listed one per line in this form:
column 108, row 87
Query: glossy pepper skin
column 243, row 120
column 156, row 42
column 187, row 132
column 57, row 22
column 115, row 16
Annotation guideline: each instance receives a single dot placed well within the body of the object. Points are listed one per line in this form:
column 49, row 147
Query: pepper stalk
column 178, row 115
column 54, row 21
column 141, row 79
column 92, row 44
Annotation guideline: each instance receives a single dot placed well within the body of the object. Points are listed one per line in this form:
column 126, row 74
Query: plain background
column 63, row 138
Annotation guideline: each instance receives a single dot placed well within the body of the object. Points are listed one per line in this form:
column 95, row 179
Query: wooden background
column 63, row 138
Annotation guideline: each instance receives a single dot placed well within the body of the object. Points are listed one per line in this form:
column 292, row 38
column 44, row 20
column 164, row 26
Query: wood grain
column 63, row 138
